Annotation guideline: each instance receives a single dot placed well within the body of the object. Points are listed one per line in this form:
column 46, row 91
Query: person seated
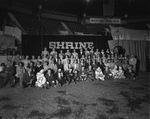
column 94, row 64
column 90, row 73
column 133, row 62
column 41, row 80
column 60, row 77
column 10, row 72
column 44, row 59
column 76, row 65
column 107, row 73
column 120, row 73
column 66, row 63
column 76, row 76
column 20, row 70
column 3, row 76
column 60, row 64
column 46, row 65
column 70, row 75
column 50, row 78
column 130, row 73
column 99, row 74
column 27, row 77
column 38, row 67
column 114, row 72
column 83, row 74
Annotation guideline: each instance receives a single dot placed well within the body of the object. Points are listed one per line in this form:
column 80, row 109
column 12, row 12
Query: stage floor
column 111, row 99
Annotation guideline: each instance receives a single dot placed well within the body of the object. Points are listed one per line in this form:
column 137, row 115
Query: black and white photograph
column 74, row 59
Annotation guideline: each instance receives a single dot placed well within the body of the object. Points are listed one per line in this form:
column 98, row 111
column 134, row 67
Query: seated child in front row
column 99, row 74
column 107, row 73
column 83, row 74
column 120, row 73
column 114, row 72
column 129, row 73
column 90, row 72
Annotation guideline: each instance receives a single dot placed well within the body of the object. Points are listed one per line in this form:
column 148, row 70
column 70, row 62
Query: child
column 76, row 76
column 114, row 72
column 120, row 73
column 60, row 77
column 83, row 74
column 70, row 75
column 90, row 73
column 99, row 74
column 107, row 73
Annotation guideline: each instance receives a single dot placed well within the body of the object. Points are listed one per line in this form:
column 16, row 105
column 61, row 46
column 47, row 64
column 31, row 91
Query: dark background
column 34, row 44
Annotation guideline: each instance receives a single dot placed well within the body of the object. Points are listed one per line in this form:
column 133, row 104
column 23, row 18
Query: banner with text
column 33, row 44
column 105, row 21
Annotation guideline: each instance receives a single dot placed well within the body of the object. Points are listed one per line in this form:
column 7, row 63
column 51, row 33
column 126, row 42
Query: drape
column 122, row 33
column 133, row 47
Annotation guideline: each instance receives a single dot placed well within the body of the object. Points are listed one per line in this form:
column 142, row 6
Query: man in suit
column 28, row 77
column 10, row 72
column 60, row 77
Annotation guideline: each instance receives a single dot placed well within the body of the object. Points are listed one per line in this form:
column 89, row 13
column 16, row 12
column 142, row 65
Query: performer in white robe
column 41, row 80
column 99, row 74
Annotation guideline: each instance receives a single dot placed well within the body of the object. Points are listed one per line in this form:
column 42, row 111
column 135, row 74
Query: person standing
column 10, row 72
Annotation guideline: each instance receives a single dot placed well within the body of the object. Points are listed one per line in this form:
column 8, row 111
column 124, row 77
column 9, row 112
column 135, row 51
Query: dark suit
column 50, row 79
column 27, row 79
column 10, row 71
column 60, row 78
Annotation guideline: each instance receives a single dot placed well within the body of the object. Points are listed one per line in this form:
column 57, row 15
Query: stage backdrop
column 141, row 49
column 34, row 44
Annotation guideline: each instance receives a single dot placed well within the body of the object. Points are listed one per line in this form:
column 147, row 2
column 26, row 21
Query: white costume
column 99, row 74
column 41, row 80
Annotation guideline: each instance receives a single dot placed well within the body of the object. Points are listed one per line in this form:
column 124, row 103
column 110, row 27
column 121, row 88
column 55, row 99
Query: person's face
column 59, row 70
column 9, row 63
column 70, row 70
column 90, row 67
column 115, row 67
column 45, row 49
column 38, row 57
column 82, row 68
column 33, row 57
column 27, row 57
column 49, row 71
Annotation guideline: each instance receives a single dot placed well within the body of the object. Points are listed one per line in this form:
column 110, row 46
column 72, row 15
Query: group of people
column 53, row 69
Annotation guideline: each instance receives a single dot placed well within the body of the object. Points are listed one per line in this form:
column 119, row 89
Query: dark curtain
column 34, row 44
